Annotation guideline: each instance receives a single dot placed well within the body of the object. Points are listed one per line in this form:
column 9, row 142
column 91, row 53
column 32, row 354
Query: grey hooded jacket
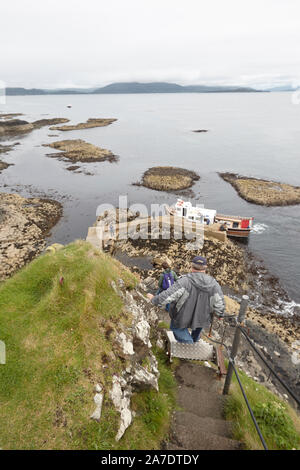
column 192, row 298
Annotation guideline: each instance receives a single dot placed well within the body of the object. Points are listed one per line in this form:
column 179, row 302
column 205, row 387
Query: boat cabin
column 194, row 214
column 235, row 226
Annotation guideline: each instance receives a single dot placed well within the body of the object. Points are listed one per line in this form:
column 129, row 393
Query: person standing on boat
column 193, row 298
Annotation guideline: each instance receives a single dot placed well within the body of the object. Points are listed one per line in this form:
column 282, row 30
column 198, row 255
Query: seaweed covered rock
column 168, row 178
column 263, row 192
column 78, row 150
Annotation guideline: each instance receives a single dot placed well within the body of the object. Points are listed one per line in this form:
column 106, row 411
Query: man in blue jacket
column 192, row 298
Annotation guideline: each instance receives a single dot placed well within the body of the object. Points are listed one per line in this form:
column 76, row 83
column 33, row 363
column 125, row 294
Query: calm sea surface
column 255, row 134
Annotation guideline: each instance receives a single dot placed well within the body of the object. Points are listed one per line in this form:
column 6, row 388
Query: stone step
column 200, row 402
column 204, row 378
column 207, row 424
column 190, row 438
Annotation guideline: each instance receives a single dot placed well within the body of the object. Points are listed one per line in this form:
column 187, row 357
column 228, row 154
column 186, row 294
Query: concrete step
column 204, row 378
column 200, row 402
column 190, row 438
column 96, row 242
column 207, row 424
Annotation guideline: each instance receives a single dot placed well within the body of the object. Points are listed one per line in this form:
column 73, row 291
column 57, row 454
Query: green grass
column 58, row 338
column 278, row 422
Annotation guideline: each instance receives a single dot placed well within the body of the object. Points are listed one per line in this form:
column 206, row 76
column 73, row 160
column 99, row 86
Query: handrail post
column 236, row 342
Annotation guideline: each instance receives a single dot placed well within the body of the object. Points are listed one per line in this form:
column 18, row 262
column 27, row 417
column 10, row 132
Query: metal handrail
column 248, row 405
column 297, row 400
column 231, row 360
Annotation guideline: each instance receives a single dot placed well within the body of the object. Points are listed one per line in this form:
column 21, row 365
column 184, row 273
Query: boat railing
column 235, row 217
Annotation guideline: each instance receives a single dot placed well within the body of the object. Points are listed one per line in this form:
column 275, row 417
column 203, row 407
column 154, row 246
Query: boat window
column 235, row 224
column 183, row 212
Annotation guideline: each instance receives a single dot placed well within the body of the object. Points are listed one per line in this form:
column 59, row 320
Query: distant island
column 132, row 87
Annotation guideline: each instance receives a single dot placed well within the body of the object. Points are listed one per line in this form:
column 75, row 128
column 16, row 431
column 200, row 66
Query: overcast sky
column 64, row 43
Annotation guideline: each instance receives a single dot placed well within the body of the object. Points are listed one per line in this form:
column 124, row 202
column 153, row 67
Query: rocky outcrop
column 134, row 345
column 49, row 122
column 4, row 165
column 15, row 127
column 168, row 178
column 18, row 126
column 92, row 122
column 23, row 226
column 98, row 399
column 78, row 150
column 263, row 192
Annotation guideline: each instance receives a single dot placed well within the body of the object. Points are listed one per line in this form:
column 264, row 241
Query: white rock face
column 126, row 344
column 142, row 332
column 135, row 376
column 142, row 377
column 121, row 401
column 98, row 399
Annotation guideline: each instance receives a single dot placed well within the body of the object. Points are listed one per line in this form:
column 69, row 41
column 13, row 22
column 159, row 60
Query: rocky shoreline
column 263, row 192
column 24, row 223
column 13, row 127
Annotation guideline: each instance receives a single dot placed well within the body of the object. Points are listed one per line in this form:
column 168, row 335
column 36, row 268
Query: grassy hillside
column 278, row 422
column 59, row 336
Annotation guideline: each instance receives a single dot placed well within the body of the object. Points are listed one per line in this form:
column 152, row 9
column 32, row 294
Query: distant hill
column 132, row 87
column 162, row 87
column 283, row 88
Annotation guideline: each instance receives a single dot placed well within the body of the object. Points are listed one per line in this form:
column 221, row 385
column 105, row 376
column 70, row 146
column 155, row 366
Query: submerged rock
column 7, row 148
column 8, row 116
column 168, row 178
column 92, row 122
column 263, row 192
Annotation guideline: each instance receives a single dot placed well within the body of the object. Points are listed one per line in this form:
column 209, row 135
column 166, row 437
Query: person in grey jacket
column 192, row 298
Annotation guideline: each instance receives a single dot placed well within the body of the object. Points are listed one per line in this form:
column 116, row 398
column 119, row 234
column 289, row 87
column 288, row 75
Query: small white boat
column 235, row 226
